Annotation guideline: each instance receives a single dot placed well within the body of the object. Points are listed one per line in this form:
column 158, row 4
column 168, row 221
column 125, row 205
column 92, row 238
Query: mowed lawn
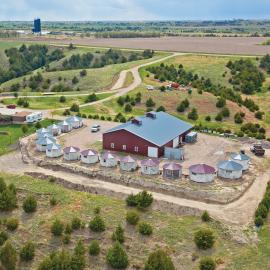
column 10, row 134
column 172, row 233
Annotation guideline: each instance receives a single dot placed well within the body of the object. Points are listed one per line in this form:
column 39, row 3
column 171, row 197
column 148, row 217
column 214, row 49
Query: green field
column 173, row 233
column 14, row 132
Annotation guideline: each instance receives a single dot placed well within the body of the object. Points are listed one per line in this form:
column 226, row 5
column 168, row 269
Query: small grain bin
column 75, row 121
column 42, row 143
column 172, row 170
column 71, row 153
column 128, row 163
column 108, row 159
column 54, row 129
column 41, row 132
column 241, row 159
column 54, row 150
column 150, row 166
column 202, row 173
column 89, row 156
column 230, row 170
column 65, row 126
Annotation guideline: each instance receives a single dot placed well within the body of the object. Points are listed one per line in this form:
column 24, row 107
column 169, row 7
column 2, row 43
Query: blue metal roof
column 230, row 166
column 159, row 130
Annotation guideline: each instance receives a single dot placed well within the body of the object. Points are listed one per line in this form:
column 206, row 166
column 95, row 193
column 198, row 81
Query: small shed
column 54, row 150
column 65, row 126
column 202, row 173
column 230, row 169
column 71, row 153
column 128, row 163
column 54, row 129
column 20, row 117
column 242, row 159
column 191, row 137
column 150, row 166
column 42, row 143
column 89, row 156
column 172, row 170
column 108, row 159
column 75, row 121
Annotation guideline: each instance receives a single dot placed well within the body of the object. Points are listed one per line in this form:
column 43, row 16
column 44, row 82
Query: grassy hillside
column 172, row 233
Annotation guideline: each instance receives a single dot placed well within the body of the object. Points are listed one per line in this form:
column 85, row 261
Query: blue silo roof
column 230, row 166
column 240, row 156
column 159, row 130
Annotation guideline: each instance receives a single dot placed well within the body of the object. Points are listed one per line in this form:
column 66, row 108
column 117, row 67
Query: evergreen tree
column 8, row 256
column 118, row 234
column 159, row 260
column 117, row 257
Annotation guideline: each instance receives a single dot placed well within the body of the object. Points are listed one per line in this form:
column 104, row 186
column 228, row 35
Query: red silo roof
column 172, row 166
column 202, row 169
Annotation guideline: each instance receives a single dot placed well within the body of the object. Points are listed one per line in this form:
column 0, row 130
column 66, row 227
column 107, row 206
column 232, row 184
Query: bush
column 205, row 216
column 208, row 118
column 62, row 99
column 83, row 73
column 144, row 199
column 225, row 112
column 66, row 239
column 53, row 201
column 131, row 200
column 204, row 239
column 118, row 234
column 219, row 117
column 145, row 228
column 12, row 224
column 76, row 223
column 27, row 252
column 207, row 263
column 221, row 103
column 193, row 115
column 57, row 228
column 150, row 103
column 38, row 125
column 258, row 221
column 128, row 108
column 161, row 109
column 75, row 107
column 68, row 229
column 8, row 256
column 132, row 217
column 94, row 248
column 97, row 210
column 117, row 257
column 30, row 204
column 24, row 128
column 97, row 224
column 3, row 237
column 78, row 257
column 75, row 80
column 159, row 260
column 259, row 115
column 261, row 211
column 8, row 200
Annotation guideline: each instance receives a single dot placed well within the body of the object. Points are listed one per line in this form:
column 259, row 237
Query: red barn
column 147, row 135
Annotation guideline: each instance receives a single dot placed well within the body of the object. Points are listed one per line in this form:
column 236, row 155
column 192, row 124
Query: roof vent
column 152, row 115
column 136, row 121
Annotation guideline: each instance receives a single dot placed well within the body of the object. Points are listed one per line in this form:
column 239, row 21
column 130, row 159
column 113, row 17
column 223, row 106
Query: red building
column 147, row 135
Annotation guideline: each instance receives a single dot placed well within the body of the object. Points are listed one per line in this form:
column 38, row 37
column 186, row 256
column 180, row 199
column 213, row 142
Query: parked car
column 95, row 128
column 258, row 150
column 11, row 106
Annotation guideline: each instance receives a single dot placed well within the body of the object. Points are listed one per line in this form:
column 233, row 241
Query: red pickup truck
column 11, row 106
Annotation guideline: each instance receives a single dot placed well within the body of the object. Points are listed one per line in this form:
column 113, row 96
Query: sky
column 94, row 10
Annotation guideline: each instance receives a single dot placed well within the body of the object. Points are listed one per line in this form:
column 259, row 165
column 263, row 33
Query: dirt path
column 240, row 212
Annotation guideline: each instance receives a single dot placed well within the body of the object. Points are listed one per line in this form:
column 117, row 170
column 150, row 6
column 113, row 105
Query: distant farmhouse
column 37, row 26
column 148, row 135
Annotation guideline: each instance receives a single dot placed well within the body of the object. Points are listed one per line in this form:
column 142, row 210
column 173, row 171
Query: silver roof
column 230, row 166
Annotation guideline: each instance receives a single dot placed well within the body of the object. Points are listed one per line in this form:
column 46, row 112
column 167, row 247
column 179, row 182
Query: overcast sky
column 134, row 9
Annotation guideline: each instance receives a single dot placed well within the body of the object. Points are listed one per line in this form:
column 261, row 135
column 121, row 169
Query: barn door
column 152, row 152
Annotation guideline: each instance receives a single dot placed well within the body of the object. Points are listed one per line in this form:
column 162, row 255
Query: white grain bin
column 150, row 166
column 89, row 156
column 172, row 170
column 108, row 159
column 41, row 131
column 230, row 170
column 65, row 126
column 54, row 150
column 71, row 153
column 75, row 121
column 44, row 135
column 202, row 173
column 128, row 163
column 42, row 143
column 54, row 129
column 241, row 159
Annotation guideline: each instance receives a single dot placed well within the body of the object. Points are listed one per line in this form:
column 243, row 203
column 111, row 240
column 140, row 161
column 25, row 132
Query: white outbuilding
column 230, row 169
column 202, row 173
column 41, row 131
column 54, row 129
column 242, row 159
column 42, row 143
column 54, row 150
column 108, row 159
column 44, row 135
column 128, row 163
column 89, row 156
column 65, row 126
column 72, row 153
column 150, row 166
column 75, row 121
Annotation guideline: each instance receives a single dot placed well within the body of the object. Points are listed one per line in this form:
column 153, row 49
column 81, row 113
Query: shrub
column 97, row 224
column 219, row 117
column 53, row 201
column 97, row 210
column 144, row 199
column 12, row 224
column 207, row 263
column 193, row 115
column 24, row 128
column 128, row 108
column 37, row 125
column 27, row 252
column 3, row 237
column 78, row 257
column 83, row 73
column 8, row 256
column 75, row 80
column 145, row 228
column 205, row 216
column 150, row 103
column 208, row 118
column 57, row 228
column 62, row 99
column 204, row 239
column 131, row 200
column 94, row 248
column 161, row 109
column 75, row 107
column 258, row 221
column 117, row 257
column 66, row 239
column 221, row 103
column 118, row 234
column 8, row 200
column 225, row 112
column 68, row 229
column 30, row 204
column 76, row 223
column 261, row 211
column 159, row 260
column 259, row 115
column 132, row 217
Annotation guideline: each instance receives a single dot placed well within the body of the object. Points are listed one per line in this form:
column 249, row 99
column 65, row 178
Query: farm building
column 202, row 173
column 42, row 143
column 172, row 170
column 150, row 166
column 65, row 126
column 54, row 129
column 128, row 163
column 108, row 159
column 89, row 156
column 71, row 153
column 147, row 135
column 45, row 135
column 54, row 150
column 34, row 117
column 20, row 117
column 242, row 159
column 42, row 131
column 230, row 170
column 75, row 121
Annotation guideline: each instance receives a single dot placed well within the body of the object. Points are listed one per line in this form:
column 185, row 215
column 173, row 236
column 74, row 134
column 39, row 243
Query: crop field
column 172, row 233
